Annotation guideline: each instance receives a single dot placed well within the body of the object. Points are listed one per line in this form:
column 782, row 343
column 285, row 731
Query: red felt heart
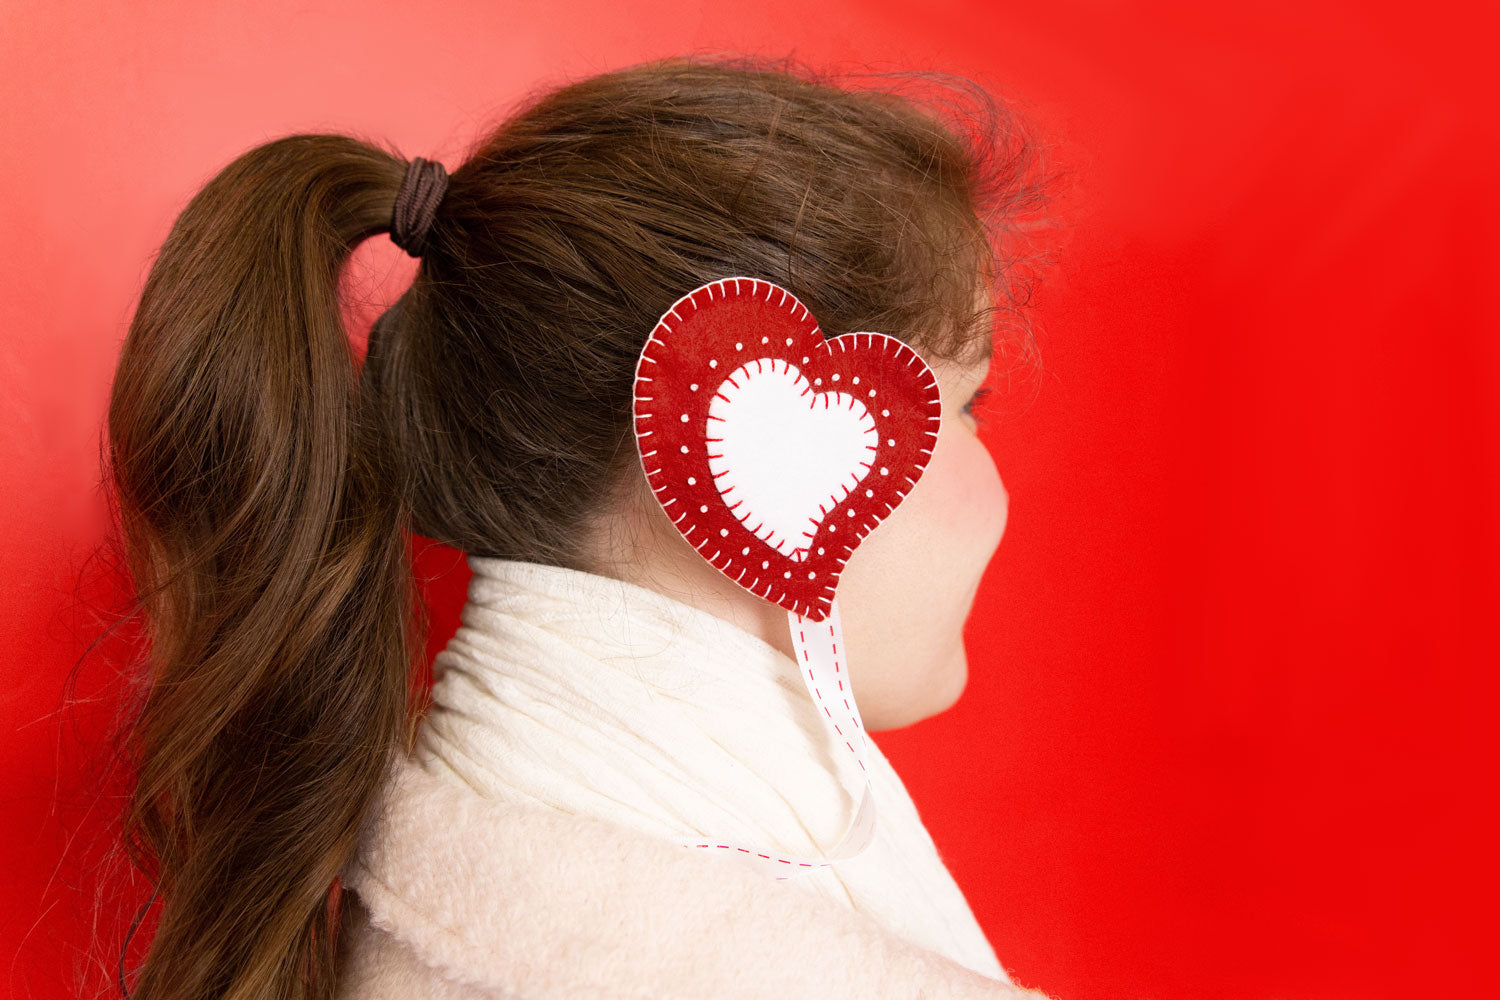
column 773, row 449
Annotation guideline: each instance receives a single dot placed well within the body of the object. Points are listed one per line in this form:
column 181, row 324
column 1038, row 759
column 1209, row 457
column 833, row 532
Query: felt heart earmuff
column 775, row 450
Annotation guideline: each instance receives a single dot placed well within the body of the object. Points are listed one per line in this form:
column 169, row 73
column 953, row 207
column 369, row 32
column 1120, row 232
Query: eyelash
column 975, row 400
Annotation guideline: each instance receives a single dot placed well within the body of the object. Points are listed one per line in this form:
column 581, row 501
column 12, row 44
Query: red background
column 1234, row 661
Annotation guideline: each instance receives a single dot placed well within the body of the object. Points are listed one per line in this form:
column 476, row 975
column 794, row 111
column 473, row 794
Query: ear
column 773, row 449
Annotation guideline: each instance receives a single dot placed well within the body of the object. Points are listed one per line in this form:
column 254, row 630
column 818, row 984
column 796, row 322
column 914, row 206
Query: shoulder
column 500, row 900
column 378, row 965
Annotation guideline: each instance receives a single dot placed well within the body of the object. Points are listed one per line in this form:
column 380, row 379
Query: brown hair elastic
column 416, row 204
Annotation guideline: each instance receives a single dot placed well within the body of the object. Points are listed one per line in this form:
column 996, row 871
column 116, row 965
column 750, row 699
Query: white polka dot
column 738, row 346
column 835, row 376
column 811, row 575
column 765, row 340
column 765, row 565
column 817, row 381
column 884, row 471
column 713, row 362
column 805, row 360
column 745, row 551
column 694, row 388
column 885, row 413
column 869, row 493
column 703, row 509
column 851, row 511
column 820, row 550
column 684, row 418
column 787, row 574
column 872, row 392
column 684, row 449
column 891, row 442
column 723, row 532
column 855, row 380
column 692, row 481
column 789, row 341
column 833, row 528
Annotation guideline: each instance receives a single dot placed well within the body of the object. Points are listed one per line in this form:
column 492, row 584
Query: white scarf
column 604, row 699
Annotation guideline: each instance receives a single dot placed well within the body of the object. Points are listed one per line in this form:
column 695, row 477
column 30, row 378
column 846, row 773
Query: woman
column 610, row 694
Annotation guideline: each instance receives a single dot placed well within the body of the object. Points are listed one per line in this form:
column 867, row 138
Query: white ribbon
column 820, row 659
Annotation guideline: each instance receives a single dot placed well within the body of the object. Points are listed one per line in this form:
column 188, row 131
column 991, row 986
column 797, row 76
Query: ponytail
column 263, row 523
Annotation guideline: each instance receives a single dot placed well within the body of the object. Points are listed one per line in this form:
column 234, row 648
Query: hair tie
column 416, row 204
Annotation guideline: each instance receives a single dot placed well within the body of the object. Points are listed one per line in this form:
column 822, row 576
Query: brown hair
column 266, row 490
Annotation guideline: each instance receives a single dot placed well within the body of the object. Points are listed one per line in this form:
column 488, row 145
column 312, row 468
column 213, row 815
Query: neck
column 634, row 543
column 603, row 698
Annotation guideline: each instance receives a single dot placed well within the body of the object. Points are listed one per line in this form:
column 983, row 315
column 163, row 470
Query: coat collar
column 533, row 902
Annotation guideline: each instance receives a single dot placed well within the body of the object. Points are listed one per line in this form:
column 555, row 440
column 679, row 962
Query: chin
column 939, row 693
column 955, row 677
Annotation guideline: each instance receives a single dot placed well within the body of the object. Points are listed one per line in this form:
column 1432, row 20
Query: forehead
column 974, row 351
column 960, row 340
column 981, row 348
column 987, row 348
column 984, row 304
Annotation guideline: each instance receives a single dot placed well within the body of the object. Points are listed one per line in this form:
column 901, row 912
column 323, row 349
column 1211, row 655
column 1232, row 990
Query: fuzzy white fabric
column 582, row 730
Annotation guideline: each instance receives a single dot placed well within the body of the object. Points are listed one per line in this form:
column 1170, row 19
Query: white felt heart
column 783, row 453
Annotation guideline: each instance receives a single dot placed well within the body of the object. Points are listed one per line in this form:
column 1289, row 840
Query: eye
column 974, row 401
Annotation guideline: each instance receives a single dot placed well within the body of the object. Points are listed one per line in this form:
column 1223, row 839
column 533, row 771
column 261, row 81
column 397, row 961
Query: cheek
column 926, row 559
column 907, row 591
column 964, row 508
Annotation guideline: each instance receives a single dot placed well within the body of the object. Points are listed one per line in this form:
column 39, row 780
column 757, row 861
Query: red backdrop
column 1234, row 661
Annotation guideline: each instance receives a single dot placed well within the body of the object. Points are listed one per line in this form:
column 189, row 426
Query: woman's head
column 563, row 237
column 263, row 487
column 566, row 233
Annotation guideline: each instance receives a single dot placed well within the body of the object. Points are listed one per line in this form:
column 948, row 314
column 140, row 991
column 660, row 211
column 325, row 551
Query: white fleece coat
column 582, row 731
